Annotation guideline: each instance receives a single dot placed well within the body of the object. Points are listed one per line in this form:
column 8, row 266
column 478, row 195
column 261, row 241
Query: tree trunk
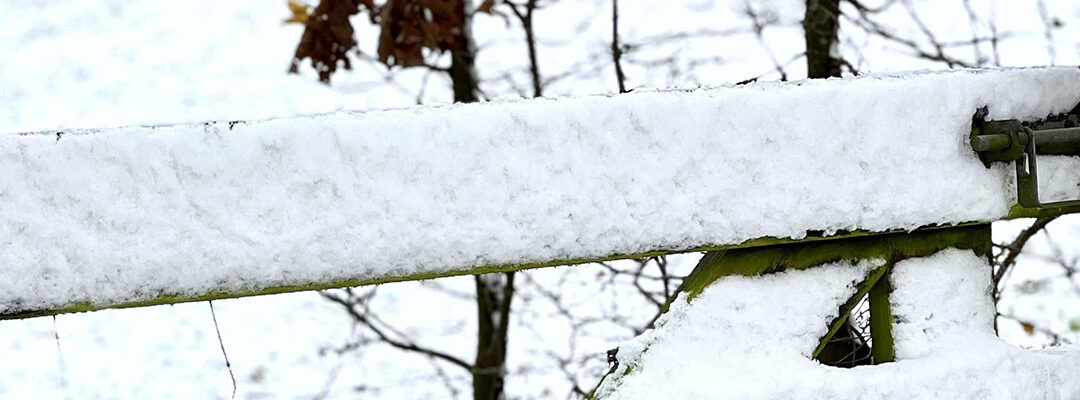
column 494, row 293
column 463, row 61
column 822, row 24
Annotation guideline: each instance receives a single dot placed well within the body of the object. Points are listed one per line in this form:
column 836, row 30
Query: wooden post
column 881, row 320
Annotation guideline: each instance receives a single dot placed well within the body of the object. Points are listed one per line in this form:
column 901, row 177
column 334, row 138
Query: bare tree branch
column 526, row 18
column 228, row 365
column 973, row 21
column 759, row 24
column 865, row 22
column 1013, row 250
column 1049, row 24
column 1055, row 339
column 616, row 49
column 363, row 318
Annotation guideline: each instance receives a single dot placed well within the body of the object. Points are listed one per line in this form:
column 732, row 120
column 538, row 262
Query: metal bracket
column 1027, row 176
column 1012, row 140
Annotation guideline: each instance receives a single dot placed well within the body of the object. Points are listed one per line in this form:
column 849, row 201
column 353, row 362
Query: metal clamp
column 1027, row 172
column 1012, row 140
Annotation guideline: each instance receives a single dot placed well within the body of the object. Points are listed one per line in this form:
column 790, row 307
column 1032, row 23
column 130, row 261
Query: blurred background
column 106, row 63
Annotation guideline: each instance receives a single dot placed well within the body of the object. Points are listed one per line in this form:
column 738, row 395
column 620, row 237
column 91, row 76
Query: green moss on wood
column 780, row 257
column 1023, row 212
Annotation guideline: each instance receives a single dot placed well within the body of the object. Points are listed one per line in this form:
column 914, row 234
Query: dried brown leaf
column 486, row 6
column 328, row 37
column 1029, row 328
column 409, row 26
column 298, row 12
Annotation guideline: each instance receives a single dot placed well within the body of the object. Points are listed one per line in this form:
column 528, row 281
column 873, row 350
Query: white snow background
column 101, row 64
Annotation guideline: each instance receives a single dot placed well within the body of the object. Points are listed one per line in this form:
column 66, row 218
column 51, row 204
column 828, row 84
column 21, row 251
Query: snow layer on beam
column 132, row 213
column 751, row 338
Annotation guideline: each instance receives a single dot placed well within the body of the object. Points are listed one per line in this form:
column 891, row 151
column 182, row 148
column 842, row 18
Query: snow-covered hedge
column 91, row 219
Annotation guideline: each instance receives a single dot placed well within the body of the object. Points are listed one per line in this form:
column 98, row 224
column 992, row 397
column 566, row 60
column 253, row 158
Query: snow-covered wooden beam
column 139, row 216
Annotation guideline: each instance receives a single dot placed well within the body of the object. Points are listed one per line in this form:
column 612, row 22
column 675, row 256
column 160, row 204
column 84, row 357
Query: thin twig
column 60, row 354
column 973, row 21
column 228, row 365
column 1055, row 339
column 864, row 21
column 366, row 321
column 661, row 262
column 526, row 19
column 616, row 272
column 564, row 366
column 329, row 384
column 445, row 378
column 871, row 10
column 994, row 34
column 642, row 263
column 1049, row 25
column 616, row 50
column 1012, row 251
column 760, row 24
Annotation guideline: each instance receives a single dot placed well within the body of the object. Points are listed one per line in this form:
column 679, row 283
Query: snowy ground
column 82, row 64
